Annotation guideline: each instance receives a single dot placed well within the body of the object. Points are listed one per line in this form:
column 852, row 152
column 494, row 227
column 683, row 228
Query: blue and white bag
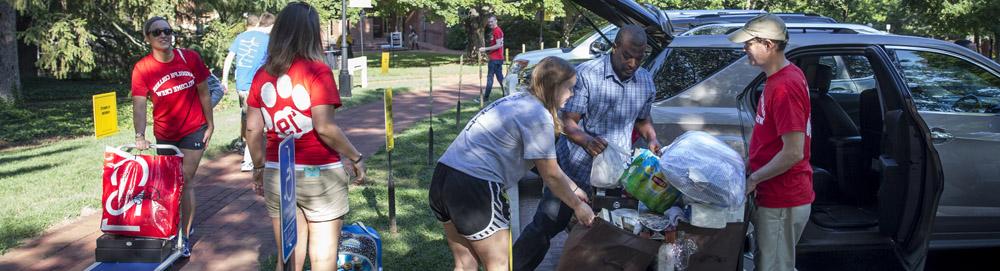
column 360, row 249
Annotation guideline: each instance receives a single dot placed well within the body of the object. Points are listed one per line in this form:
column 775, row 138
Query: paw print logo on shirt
column 289, row 119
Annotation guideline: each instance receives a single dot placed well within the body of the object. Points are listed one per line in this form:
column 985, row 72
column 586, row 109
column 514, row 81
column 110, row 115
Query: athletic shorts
column 192, row 141
column 322, row 198
column 478, row 208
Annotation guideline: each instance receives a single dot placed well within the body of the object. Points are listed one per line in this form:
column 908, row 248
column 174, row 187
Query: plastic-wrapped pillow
column 705, row 169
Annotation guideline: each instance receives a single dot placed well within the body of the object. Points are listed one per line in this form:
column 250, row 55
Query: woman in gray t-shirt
column 496, row 148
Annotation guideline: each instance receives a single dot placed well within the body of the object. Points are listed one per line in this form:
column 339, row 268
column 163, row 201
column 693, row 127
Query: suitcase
column 118, row 248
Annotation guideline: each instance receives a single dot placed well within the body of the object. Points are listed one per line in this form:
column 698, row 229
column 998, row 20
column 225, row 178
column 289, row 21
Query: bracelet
column 577, row 188
column 360, row 157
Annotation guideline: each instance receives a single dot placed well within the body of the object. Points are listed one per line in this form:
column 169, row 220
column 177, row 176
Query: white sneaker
column 247, row 166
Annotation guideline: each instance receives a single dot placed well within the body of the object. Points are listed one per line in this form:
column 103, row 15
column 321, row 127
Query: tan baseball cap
column 767, row 26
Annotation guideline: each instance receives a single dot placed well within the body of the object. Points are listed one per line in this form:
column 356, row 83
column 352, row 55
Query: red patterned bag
column 142, row 193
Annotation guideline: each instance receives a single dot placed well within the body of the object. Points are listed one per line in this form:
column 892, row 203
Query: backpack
column 215, row 88
column 360, row 249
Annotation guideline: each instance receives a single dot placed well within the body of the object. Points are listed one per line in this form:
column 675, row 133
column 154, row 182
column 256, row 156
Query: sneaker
column 247, row 166
column 186, row 251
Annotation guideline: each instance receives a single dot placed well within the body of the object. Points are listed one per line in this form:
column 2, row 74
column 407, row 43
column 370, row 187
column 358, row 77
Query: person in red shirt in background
column 294, row 95
column 779, row 146
column 495, row 51
column 175, row 81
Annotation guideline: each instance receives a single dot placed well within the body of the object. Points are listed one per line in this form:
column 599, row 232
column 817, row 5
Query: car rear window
column 685, row 67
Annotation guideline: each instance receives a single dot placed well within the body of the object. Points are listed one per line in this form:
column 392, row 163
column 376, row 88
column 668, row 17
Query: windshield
column 610, row 33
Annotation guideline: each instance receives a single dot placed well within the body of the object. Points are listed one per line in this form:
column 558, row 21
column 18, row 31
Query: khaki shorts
column 321, row 198
column 777, row 231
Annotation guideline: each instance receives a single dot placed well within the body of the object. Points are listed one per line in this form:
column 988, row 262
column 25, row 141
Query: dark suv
column 905, row 130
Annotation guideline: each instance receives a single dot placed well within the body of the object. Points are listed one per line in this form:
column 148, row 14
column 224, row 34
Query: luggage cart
column 175, row 253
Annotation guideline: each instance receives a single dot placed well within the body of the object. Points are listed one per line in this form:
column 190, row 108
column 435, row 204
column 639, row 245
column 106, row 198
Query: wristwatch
column 138, row 135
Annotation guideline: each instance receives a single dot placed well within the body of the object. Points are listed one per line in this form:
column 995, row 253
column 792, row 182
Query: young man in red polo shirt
column 779, row 146
column 495, row 51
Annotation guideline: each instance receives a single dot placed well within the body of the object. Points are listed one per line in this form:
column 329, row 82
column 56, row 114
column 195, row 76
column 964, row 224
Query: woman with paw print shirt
column 294, row 95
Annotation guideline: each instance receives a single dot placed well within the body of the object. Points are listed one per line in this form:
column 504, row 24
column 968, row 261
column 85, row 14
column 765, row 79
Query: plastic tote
column 705, row 170
column 360, row 249
column 142, row 193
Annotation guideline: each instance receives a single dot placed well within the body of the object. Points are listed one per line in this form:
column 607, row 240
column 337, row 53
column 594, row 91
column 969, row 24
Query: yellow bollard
column 522, row 48
column 542, row 46
column 385, row 62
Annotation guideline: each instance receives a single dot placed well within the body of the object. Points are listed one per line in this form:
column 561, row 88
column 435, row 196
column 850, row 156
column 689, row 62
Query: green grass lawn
column 53, row 110
column 50, row 162
column 420, row 242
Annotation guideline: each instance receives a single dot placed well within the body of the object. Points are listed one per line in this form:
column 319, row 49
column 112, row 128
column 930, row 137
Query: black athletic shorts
column 192, row 141
column 478, row 208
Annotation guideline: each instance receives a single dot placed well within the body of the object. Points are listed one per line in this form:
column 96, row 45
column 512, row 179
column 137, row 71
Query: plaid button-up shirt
column 609, row 106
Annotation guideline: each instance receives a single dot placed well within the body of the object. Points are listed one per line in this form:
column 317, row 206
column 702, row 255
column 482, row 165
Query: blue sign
column 286, row 165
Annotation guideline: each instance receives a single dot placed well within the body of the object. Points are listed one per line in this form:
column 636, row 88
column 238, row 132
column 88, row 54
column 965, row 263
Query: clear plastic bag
column 705, row 170
column 675, row 256
column 608, row 166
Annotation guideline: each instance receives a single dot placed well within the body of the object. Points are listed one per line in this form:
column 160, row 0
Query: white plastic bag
column 705, row 170
column 608, row 166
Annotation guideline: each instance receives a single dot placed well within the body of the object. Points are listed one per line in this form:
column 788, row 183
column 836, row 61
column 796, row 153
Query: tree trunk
column 474, row 27
column 569, row 22
column 996, row 46
column 10, row 77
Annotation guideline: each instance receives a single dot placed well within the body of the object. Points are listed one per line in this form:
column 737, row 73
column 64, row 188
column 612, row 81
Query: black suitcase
column 117, row 248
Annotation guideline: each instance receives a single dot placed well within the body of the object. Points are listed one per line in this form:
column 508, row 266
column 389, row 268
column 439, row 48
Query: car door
column 912, row 178
column 959, row 98
column 909, row 165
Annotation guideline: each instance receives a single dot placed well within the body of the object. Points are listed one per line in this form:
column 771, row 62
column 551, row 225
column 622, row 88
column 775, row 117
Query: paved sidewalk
column 232, row 229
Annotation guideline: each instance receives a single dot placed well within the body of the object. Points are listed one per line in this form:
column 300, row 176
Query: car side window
column 685, row 67
column 944, row 83
column 852, row 74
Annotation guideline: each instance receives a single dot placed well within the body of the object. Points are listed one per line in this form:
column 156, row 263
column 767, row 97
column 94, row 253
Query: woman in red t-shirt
column 174, row 80
column 294, row 96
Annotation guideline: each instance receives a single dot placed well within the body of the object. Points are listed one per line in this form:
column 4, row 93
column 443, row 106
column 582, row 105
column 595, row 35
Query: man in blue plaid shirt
column 613, row 95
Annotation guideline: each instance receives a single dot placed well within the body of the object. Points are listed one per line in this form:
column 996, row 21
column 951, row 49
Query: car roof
column 814, row 39
column 683, row 24
column 856, row 27
column 690, row 13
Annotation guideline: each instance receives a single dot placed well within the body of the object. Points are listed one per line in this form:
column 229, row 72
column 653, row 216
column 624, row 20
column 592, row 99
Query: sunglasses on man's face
column 165, row 31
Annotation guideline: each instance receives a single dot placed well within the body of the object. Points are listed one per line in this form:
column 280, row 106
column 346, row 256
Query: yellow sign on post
column 385, row 62
column 389, row 142
column 105, row 115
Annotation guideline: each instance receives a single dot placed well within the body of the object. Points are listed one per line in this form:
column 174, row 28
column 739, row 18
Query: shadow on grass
column 12, row 158
column 56, row 109
column 372, row 202
column 24, row 170
column 408, row 59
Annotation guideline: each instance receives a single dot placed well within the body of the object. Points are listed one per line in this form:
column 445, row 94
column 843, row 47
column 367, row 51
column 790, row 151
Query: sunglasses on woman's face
column 165, row 31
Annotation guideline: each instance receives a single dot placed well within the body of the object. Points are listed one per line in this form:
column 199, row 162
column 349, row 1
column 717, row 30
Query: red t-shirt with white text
column 286, row 102
column 497, row 35
column 172, row 87
column 784, row 107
